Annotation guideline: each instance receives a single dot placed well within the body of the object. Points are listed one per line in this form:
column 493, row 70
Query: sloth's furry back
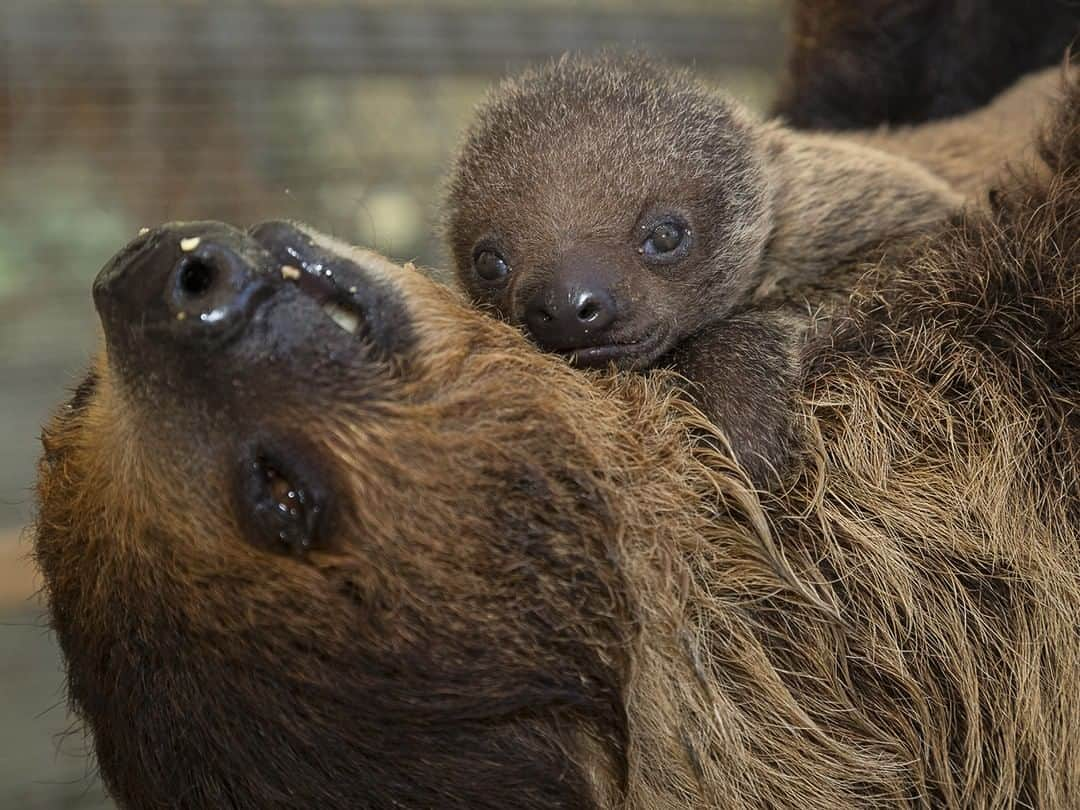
column 948, row 404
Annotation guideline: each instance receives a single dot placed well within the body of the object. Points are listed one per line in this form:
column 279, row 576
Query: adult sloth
column 322, row 536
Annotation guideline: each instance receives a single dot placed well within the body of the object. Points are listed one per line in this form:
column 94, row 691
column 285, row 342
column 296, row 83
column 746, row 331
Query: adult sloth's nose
column 194, row 283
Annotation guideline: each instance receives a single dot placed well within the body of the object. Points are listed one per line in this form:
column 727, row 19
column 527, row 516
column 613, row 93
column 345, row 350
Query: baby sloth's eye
column 490, row 266
column 665, row 238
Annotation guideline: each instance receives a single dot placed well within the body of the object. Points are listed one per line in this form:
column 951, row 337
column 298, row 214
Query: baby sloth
column 623, row 214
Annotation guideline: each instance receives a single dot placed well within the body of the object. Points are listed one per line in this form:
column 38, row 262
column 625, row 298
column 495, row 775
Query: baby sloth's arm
column 743, row 374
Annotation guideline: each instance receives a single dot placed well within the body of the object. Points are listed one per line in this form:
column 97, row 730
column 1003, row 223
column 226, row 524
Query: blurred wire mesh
column 117, row 114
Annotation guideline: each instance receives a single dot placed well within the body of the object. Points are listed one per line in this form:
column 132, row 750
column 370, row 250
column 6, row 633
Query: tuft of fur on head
column 585, row 112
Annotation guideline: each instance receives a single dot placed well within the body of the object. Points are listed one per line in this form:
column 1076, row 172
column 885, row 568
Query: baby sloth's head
column 610, row 207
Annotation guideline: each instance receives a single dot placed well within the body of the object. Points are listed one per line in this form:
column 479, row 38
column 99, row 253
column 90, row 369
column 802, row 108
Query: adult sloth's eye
column 490, row 266
column 280, row 509
column 665, row 239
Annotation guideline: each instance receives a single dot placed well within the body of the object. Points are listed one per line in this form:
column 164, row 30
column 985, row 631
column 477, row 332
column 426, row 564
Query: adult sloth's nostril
column 182, row 286
column 195, row 277
column 214, row 288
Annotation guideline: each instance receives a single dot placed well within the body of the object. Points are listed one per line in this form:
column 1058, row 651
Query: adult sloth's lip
column 338, row 301
column 330, row 285
column 350, row 286
column 631, row 355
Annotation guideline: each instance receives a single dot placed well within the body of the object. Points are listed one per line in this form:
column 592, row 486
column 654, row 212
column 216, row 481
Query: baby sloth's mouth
column 630, row 355
column 583, row 315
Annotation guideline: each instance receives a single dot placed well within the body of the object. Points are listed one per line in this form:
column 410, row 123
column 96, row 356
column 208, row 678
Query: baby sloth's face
column 622, row 294
column 298, row 554
column 608, row 209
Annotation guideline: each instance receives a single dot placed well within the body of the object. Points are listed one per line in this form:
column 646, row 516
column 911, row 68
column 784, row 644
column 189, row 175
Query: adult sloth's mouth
column 205, row 303
column 331, row 286
column 338, row 302
column 342, row 283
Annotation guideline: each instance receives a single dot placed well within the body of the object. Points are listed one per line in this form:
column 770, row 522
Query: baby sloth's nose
column 575, row 310
column 194, row 282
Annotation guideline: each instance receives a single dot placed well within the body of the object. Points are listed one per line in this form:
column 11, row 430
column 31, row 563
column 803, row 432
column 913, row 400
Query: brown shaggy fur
column 567, row 168
column 582, row 150
column 541, row 591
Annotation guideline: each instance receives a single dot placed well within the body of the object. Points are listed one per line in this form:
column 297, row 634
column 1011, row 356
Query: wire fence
column 342, row 113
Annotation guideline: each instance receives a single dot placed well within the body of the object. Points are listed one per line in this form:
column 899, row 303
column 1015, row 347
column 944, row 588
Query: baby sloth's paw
column 742, row 373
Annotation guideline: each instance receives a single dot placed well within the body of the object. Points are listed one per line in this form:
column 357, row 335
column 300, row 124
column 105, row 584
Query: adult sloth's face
column 315, row 534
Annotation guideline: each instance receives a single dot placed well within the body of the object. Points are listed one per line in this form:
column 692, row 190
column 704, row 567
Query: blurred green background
column 117, row 114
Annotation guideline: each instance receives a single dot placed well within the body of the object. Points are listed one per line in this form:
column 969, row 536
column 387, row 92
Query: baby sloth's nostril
column 588, row 311
column 594, row 309
column 195, row 277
